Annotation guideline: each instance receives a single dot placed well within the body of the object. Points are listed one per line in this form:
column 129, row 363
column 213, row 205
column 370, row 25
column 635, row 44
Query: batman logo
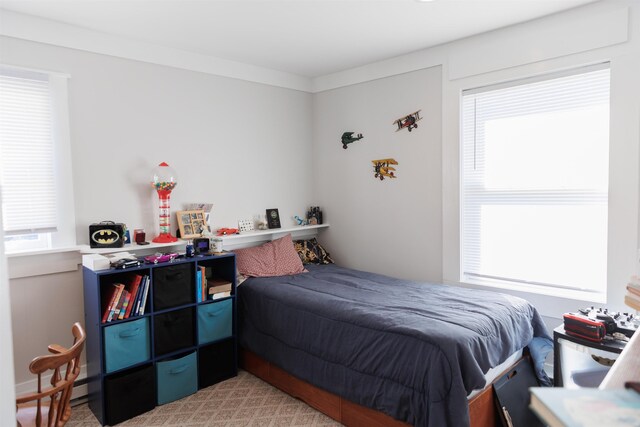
column 105, row 237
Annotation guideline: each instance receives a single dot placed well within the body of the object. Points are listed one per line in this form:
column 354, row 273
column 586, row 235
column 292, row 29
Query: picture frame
column 273, row 218
column 191, row 223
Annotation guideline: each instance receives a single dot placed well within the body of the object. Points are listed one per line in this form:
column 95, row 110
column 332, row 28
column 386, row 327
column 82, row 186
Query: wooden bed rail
column 481, row 407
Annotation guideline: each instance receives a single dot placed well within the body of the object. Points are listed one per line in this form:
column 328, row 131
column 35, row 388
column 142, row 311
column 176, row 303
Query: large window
column 535, row 182
column 34, row 160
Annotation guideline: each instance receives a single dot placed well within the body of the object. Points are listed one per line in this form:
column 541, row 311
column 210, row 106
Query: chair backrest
column 54, row 401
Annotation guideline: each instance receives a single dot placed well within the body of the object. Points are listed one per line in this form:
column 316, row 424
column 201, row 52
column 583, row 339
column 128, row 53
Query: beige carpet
column 241, row 401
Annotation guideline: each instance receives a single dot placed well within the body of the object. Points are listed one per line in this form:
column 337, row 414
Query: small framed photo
column 273, row 218
column 191, row 223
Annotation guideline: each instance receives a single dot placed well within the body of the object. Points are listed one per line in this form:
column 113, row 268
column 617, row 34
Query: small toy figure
column 382, row 168
column 348, row 138
column 300, row 221
column 261, row 223
column 408, row 122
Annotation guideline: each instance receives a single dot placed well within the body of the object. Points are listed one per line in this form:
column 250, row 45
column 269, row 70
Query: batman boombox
column 107, row 234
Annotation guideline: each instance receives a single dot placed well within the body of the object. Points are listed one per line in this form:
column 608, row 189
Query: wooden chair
column 50, row 406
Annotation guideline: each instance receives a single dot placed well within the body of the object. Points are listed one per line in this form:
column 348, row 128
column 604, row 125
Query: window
column 535, row 183
column 37, row 203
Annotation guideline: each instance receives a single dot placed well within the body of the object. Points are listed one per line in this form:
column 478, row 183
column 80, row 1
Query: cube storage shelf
column 176, row 347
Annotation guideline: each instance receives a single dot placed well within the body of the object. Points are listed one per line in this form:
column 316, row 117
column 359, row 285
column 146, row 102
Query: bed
column 412, row 351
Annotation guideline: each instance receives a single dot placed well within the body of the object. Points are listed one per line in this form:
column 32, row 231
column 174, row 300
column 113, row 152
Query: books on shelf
column 111, row 296
column 126, row 301
column 134, row 292
column 561, row 407
column 218, row 288
column 123, row 310
column 143, row 297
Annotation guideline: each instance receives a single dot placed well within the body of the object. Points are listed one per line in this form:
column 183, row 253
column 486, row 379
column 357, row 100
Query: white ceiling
column 304, row 37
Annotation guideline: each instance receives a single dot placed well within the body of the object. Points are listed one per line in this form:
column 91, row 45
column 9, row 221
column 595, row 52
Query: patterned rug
column 241, row 401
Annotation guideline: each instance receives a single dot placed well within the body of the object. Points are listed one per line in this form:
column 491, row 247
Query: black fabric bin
column 173, row 330
column 173, row 285
column 216, row 362
column 129, row 393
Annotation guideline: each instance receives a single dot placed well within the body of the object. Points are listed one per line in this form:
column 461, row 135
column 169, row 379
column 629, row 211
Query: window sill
column 594, row 297
column 32, row 252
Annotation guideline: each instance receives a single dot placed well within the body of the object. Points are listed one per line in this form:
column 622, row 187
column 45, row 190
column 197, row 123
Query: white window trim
column 65, row 236
column 505, row 283
column 624, row 178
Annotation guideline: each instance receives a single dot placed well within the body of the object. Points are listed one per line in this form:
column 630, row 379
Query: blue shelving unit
column 177, row 346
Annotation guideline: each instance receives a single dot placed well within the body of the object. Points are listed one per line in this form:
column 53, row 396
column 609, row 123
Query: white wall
column 393, row 226
column 242, row 146
column 376, row 238
column 7, row 392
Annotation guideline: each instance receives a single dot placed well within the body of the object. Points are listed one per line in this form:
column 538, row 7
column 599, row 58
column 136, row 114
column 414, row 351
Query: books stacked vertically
column 632, row 297
column 202, row 275
column 208, row 287
column 124, row 301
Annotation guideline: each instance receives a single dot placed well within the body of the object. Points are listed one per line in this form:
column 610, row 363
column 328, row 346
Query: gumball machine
column 164, row 181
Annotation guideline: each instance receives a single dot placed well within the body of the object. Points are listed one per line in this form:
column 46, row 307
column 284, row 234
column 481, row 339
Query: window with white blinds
column 535, row 181
column 27, row 153
column 35, row 160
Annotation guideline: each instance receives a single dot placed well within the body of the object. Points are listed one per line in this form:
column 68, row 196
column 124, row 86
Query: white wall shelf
column 235, row 241
column 130, row 247
column 229, row 241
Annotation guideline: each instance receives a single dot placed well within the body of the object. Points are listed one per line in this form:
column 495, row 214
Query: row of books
column 128, row 300
column 632, row 298
column 209, row 287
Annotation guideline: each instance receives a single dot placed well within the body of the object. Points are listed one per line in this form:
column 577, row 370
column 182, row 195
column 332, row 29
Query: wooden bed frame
column 481, row 407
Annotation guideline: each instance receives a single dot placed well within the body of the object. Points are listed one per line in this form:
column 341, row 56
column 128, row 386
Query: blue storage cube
column 215, row 321
column 126, row 344
column 177, row 378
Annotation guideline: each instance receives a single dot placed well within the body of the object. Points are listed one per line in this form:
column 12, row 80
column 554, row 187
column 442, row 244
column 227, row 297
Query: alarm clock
column 107, row 234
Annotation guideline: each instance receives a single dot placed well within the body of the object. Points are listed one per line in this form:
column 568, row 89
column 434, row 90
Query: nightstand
column 574, row 359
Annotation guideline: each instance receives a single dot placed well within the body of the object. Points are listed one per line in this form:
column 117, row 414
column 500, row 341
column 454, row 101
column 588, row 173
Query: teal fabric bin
column 215, row 321
column 177, row 378
column 126, row 344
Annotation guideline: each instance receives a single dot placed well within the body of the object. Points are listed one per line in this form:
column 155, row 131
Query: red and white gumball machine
column 164, row 181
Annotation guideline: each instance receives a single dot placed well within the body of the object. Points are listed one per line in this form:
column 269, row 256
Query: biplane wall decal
column 383, row 168
column 408, row 122
column 348, row 138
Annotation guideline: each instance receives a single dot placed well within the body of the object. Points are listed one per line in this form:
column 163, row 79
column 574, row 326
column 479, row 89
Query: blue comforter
column 411, row 350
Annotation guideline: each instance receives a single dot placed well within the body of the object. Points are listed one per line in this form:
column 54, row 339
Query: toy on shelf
column 227, row 231
column 382, row 168
column 161, row 257
column 164, row 181
column 408, row 121
column 261, row 222
column 314, row 215
column 348, row 138
column 300, row 221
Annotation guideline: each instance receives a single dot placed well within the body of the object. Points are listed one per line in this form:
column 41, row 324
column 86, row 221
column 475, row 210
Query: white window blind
column 535, row 181
column 27, row 153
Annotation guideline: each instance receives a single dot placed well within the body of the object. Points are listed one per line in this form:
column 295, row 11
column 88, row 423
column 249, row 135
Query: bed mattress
column 415, row 351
